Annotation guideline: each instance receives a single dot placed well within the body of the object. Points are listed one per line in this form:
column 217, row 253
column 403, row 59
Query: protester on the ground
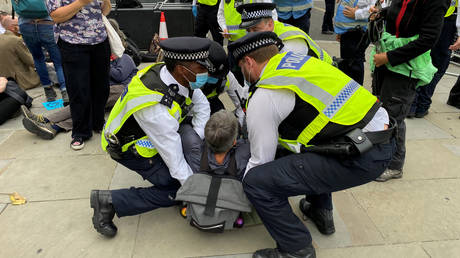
column 351, row 28
column 440, row 56
column 402, row 63
column 220, row 79
column 85, row 53
column 38, row 34
column 296, row 13
column 257, row 17
column 327, row 27
column 47, row 126
column 141, row 132
column 221, row 165
column 11, row 98
column 15, row 59
column 302, row 100
column 206, row 19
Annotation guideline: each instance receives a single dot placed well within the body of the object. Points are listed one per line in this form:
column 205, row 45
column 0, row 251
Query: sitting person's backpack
column 214, row 198
column 34, row 9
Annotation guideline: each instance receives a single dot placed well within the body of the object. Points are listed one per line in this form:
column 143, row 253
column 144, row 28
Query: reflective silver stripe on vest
column 233, row 27
column 304, row 85
column 131, row 105
column 310, row 42
column 294, row 8
column 350, row 24
column 341, row 98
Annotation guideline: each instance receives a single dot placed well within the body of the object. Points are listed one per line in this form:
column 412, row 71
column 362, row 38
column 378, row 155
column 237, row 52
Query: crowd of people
column 303, row 123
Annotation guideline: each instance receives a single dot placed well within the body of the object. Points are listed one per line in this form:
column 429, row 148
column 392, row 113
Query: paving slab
column 60, row 178
column 431, row 159
column 418, row 210
column 26, row 145
column 124, row 178
column 4, row 134
column 449, row 122
column 164, row 233
column 442, row 249
column 2, row 207
column 4, row 164
column 424, row 129
column 439, row 104
column 12, row 124
column 61, row 229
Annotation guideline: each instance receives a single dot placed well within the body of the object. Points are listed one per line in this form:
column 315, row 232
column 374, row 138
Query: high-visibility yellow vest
column 208, row 2
column 137, row 96
column 453, row 5
column 287, row 32
column 233, row 20
column 328, row 102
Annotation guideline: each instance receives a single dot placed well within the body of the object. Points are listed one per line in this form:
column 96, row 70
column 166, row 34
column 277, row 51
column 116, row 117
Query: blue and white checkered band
column 186, row 56
column 253, row 15
column 246, row 48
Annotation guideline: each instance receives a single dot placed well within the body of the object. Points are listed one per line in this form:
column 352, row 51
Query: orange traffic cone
column 163, row 29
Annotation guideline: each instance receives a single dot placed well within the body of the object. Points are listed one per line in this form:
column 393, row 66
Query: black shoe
column 42, row 130
column 321, row 217
column 421, row 115
column 453, row 103
column 101, row 202
column 327, row 32
column 410, row 115
column 307, row 252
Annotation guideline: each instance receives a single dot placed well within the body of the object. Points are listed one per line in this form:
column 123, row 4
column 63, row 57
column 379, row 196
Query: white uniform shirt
column 295, row 45
column 221, row 14
column 363, row 9
column 235, row 86
column 267, row 109
column 161, row 128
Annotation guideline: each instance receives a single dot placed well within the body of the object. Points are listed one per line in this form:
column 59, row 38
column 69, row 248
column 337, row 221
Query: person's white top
column 161, row 128
column 295, row 45
column 221, row 15
column 2, row 30
column 235, row 86
column 267, row 109
column 362, row 13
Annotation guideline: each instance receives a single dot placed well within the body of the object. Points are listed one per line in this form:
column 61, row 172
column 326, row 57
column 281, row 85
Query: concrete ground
column 416, row 216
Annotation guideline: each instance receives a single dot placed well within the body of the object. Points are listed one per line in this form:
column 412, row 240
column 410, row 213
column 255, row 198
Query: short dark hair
column 263, row 54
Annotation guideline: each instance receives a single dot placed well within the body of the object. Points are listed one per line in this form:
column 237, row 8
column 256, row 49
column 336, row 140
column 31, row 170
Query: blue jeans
column 36, row 37
column 302, row 23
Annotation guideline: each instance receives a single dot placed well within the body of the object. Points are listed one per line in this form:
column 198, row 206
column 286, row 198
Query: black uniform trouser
column 206, row 20
column 396, row 92
column 328, row 16
column 137, row 200
column 454, row 95
column 86, row 72
column 302, row 22
column 440, row 57
column 268, row 187
column 352, row 49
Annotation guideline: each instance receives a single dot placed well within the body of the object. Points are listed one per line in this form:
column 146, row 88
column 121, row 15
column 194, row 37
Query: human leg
column 328, row 15
column 8, row 107
column 201, row 23
column 99, row 76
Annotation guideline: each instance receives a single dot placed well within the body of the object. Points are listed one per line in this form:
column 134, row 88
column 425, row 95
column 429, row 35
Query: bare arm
column 65, row 13
column 106, row 7
column 3, row 82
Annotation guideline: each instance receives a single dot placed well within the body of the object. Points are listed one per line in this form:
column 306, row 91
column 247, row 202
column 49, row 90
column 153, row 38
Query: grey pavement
column 416, row 216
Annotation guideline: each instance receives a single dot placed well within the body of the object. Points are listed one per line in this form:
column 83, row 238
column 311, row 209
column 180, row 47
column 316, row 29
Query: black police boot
column 101, row 202
column 307, row 252
column 321, row 217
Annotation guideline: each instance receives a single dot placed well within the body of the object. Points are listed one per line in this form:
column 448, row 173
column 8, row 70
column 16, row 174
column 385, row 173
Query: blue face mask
column 212, row 80
column 201, row 79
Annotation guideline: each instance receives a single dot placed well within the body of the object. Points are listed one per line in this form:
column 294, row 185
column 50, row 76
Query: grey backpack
column 214, row 198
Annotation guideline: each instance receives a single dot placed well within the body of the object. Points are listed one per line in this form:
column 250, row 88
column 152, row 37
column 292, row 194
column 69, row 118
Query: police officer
column 206, row 19
column 141, row 132
column 257, row 17
column 311, row 108
column 350, row 26
column 220, row 79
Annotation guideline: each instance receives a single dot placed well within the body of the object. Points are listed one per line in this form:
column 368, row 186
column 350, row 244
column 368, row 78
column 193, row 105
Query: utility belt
column 114, row 145
column 355, row 142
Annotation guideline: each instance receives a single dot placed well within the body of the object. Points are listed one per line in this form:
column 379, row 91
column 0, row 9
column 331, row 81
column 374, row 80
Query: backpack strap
column 204, row 163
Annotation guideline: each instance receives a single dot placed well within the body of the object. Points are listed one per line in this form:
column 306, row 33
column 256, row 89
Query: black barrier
column 140, row 24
